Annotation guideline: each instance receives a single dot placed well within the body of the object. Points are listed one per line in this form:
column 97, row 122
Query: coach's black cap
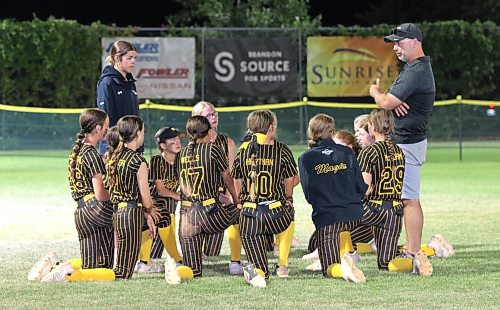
column 166, row 133
column 403, row 31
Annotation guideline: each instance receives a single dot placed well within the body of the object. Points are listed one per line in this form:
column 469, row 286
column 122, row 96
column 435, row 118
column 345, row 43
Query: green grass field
column 461, row 200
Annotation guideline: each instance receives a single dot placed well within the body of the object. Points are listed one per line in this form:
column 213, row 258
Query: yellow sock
column 334, row 271
column 345, row 243
column 400, row 264
column 96, row 274
column 363, row 248
column 76, row 263
column 185, row 273
column 164, row 233
column 171, row 244
column 146, row 243
column 285, row 243
column 234, row 242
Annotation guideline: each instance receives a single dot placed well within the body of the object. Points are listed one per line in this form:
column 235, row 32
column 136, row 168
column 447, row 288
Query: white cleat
column 252, row 277
column 235, row 268
column 313, row 255
column 315, row 266
column 171, row 273
column 441, row 246
column 141, row 267
column 349, row 270
column 59, row 273
column 43, row 267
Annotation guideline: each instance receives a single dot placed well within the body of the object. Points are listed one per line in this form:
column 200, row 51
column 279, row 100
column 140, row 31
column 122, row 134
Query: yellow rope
column 156, row 106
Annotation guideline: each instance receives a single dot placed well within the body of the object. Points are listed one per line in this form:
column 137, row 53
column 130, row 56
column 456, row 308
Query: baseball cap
column 403, row 31
column 166, row 133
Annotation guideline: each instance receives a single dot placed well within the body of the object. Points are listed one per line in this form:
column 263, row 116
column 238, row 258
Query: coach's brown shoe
column 421, row 264
column 349, row 270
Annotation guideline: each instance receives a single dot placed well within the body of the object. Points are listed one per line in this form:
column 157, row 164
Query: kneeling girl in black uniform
column 333, row 185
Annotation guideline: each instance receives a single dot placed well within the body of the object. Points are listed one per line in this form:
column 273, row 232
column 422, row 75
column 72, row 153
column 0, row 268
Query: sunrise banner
column 346, row 66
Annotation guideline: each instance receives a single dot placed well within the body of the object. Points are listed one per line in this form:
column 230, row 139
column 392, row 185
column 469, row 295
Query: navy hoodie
column 332, row 183
column 117, row 95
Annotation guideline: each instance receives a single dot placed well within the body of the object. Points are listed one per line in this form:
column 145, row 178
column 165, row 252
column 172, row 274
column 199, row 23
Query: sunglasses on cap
column 402, row 33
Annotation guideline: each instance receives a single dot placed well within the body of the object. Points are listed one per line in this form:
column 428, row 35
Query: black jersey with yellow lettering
column 222, row 142
column 126, row 187
column 387, row 170
column 200, row 174
column 88, row 164
column 160, row 169
column 274, row 163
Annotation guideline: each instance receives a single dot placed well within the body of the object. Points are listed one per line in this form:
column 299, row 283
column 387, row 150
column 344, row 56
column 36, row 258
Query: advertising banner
column 165, row 67
column 251, row 67
column 347, row 66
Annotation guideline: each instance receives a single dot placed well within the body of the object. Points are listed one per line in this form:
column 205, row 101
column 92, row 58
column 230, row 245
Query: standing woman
column 266, row 170
column 200, row 165
column 128, row 183
column 116, row 91
column 213, row 242
column 94, row 212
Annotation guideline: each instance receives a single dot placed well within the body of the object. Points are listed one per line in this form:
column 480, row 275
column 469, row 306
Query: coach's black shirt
column 415, row 86
column 332, row 183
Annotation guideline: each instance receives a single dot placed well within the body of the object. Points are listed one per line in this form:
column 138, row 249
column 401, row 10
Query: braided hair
column 128, row 127
column 321, row 127
column 89, row 119
column 257, row 122
column 112, row 140
column 197, row 127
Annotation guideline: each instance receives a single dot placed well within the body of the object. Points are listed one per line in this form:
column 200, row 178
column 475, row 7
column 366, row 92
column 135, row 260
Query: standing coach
column 411, row 98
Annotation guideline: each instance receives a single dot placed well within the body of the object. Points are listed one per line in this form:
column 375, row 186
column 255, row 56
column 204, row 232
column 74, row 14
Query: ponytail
column 80, row 136
column 89, row 119
column 254, row 149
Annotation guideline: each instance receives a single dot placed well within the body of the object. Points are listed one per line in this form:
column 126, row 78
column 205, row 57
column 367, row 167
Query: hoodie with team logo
column 117, row 95
column 332, row 183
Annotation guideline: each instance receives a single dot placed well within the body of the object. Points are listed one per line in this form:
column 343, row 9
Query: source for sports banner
column 347, row 66
column 164, row 68
column 251, row 67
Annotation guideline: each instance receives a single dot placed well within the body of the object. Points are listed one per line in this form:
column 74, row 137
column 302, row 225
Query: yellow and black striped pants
column 94, row 224
column 199, row 219
column 165, row 221
column 328, row 240
column 128, row 221
column 385, row 219
column 258, row 223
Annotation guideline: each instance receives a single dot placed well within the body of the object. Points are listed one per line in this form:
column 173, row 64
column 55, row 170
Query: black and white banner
column 251, row 67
